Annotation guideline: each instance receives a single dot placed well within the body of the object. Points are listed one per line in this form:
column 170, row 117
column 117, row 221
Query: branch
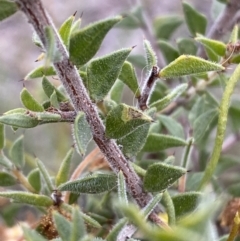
column 142, row 101
column 73, row 84
column 223, row 24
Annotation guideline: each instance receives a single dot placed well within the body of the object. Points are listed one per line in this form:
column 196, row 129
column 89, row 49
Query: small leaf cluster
column 182, row 112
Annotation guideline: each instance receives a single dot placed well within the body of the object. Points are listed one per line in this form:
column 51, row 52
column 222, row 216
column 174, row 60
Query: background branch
column 223, row 24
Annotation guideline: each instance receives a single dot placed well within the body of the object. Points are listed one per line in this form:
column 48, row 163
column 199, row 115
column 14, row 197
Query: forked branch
column 72, row 82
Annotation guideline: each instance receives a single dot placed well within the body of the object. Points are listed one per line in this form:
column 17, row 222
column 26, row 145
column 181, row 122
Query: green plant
column 143, row 180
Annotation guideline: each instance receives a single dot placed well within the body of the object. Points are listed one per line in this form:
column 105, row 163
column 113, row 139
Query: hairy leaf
column 123, row 119
column 78, row 227
column 7, row 9
column 63, row 226
column 158, row 142
column 201, row 124
column 151, row 57
column 96, row 183
column 188, row 65
column 218, row 47
column 186, row 46
column 173, row 127
column 45, row 175
column 82, row 133
column 128, row 76
column 65, row 30
column 28, row 198
column 185, row 203
column 134, row 142
column 64, row 170
column 85, row 42
column 40, row 72
column 34, row 179
column 168, row 51
column 165, row 26
column 17, row 152
column 7, row 179
column 103, row 72
column 19, row 120
column 196, row 21
column 30, row 102
column 160, row 176
column 165, row 101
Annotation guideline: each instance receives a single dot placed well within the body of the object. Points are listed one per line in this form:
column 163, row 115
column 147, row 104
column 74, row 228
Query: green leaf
column 152, row 204
column 188, row 65
column 45, row 175
column 76, row 26
column 78, row 229
column 185, row 203
column 160, row 176
column 186, row 46
column 124, row 119
column 103, row 72
column 234, row 35
column 90, row 221
column 201, row 124
column 173, row 127
column 159, row 91
column 7, row 9
column 132, row 19
column 49, row 89
column 31, row 234
column 64, row 170
column 165, row 101
column 19, row 120
column 47, row 117
column 28, row 198
column 34, row 179
column 40, row 72
column 151, row 57
column 113, row 234
column 65, row 30
column 7, row 179
column 4, row 161
column 63, row 226
column 54, row 100
column 82, row 133
column 158, row 142
column 53, row 55
column 134, row 142
column 122, row 190
column 85, row 42
column 128, row 76
column 17, row 152
column 218, row 47
column 165, row 26
column 196, row 21
column 2, row 136
column 29, row 102
column 96, row 183
column 168, row 51
column 117, row 91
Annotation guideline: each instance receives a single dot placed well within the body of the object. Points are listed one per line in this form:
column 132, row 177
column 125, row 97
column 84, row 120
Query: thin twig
column 73, row 84
column 223, row 24
column 142, row 100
